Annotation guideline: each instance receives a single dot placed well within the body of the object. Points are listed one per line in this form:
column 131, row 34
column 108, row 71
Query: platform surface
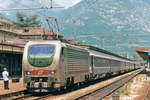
column 13, row 86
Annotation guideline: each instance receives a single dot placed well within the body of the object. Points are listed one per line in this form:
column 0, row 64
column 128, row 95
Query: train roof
column 64, row 44
column 73, row 46
column 104, row 51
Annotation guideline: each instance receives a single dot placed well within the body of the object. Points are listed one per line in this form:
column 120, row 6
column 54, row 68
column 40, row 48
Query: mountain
column 121, row 26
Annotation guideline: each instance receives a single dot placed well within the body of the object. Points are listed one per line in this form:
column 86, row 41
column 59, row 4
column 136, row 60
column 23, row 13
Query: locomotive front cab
column 39, row 76
column 41, row 55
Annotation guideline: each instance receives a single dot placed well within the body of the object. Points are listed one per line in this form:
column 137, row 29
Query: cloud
column 5, row 4
column 67, row 3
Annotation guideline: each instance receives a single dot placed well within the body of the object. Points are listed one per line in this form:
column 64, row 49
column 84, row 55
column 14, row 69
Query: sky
column 5, row 3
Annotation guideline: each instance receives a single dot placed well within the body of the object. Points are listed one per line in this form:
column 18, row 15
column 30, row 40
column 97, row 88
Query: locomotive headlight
column 28, row 73
column 52, row 72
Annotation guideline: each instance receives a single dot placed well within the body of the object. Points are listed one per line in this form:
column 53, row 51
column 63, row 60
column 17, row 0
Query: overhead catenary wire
column 13, row 9
column 90, row 4
column 38, row 8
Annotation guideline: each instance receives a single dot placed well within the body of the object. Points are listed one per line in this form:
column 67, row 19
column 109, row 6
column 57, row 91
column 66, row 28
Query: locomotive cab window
column 62, row 51
column 41, row 55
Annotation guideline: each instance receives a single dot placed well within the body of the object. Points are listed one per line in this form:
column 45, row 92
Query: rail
column 11, row 95
column 109, row 88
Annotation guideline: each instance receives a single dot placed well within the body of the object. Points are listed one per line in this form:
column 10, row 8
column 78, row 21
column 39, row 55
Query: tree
column 2, row 16
column 26, row 21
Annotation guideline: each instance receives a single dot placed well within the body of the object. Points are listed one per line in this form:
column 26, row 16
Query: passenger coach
column 106, row 63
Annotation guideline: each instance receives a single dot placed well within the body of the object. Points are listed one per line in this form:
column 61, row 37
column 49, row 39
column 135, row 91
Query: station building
column 145, row 54
column 12, row 41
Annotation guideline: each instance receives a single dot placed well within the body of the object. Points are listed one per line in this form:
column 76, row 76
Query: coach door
column 91, row 65
column 62, row 65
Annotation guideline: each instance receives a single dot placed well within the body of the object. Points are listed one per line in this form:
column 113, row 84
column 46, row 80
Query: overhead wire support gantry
column 38, row 8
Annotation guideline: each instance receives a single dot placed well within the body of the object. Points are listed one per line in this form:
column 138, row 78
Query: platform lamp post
column 148, row 61
column 125, row 54
column 74, row 28
column 98, row 38
column 102, row 37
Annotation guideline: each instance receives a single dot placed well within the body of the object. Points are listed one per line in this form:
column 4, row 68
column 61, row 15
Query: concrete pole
column 148, row 63
column 74, row 27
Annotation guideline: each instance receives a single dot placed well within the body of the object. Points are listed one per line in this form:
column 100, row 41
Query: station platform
column 13, row 86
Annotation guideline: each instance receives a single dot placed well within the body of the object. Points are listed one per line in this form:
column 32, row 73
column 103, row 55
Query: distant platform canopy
column 144, row 53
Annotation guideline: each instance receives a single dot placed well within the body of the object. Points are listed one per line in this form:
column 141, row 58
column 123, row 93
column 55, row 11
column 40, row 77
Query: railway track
column 108, row 89
column 93, row 92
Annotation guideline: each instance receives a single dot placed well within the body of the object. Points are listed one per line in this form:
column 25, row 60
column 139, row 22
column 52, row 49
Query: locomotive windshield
column 41, row 55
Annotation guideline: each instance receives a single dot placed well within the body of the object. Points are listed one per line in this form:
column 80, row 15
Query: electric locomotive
column 51, row 64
